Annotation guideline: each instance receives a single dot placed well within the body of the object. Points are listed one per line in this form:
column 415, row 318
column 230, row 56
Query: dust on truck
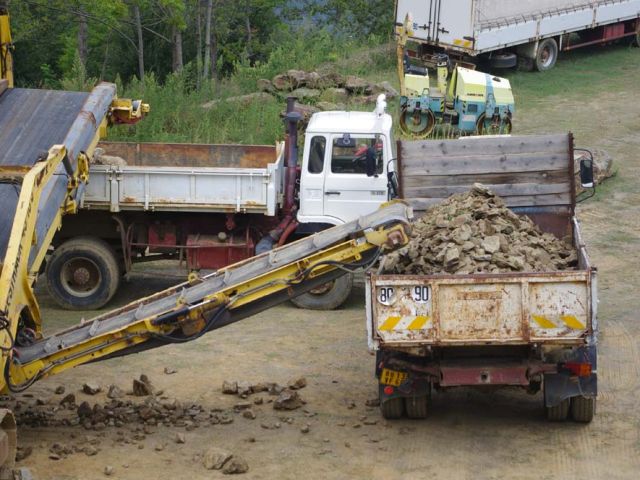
column 505, row 31
column 524, row 329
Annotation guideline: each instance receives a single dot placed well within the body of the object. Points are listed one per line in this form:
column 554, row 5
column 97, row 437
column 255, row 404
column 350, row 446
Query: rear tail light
column 578, row 369
column 388, row 390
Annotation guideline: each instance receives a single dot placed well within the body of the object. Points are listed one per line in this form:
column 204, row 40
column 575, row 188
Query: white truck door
column 355, row 176
column 312, row 176
column 443, row 22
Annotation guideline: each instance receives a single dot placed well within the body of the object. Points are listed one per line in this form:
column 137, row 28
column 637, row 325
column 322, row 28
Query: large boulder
column 357, row 85
column 305, row 94
column 335, row 95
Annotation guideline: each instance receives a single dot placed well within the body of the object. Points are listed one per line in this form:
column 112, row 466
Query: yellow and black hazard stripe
column 570, row 321
column 398, row 323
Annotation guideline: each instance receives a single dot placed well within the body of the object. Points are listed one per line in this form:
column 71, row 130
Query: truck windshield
column 357, row 155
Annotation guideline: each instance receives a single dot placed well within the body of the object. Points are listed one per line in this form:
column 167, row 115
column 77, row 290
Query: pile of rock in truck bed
column 475, row 232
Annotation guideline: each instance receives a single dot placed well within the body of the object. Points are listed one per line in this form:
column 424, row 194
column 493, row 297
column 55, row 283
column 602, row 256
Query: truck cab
column 348, row 165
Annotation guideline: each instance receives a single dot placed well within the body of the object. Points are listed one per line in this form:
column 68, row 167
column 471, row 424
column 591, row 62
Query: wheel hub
column 81, row 276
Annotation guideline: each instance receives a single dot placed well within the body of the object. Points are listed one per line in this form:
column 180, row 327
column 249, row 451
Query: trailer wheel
column 560, row 412
column 328, row 296
column 393, row 408
column 83, row 274
column 547, row 55
column 417, row 406
column 635, row 39
column 583, row 409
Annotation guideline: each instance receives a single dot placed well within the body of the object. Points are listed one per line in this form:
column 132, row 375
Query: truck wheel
column 503, row 60
column 547, row 55
column 560, row 412
column 83, row 274
column 583, row 409
column 328, row 296
column 393, row 408
column 417, row 406
column 635, row 39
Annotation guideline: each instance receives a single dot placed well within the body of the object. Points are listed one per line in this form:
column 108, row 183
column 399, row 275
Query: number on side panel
column 386, row 295
column 420, row 293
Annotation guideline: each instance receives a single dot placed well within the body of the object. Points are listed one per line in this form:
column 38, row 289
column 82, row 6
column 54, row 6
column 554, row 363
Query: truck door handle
column 331, row 192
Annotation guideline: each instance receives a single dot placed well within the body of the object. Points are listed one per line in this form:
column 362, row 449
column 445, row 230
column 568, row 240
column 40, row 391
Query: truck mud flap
column 412, row 387
column 560, row 386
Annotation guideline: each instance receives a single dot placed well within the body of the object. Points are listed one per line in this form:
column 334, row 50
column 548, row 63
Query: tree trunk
column 106, row 56
column 248, row 27
column 214, row 59
column 136, row 13
column 199, row 42
column 207, row 40
column 177, row 49
column 83, row 37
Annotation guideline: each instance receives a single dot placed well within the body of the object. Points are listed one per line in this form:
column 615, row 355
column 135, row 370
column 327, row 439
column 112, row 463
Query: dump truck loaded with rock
column 489, row 291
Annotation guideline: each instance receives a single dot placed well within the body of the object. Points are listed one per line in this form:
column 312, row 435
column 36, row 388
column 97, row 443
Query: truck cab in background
column 347, row 165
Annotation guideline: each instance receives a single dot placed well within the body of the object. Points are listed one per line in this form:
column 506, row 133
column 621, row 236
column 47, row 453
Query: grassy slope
column 177, row 116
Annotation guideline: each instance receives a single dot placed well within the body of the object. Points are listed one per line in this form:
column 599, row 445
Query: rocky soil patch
column 475, row 232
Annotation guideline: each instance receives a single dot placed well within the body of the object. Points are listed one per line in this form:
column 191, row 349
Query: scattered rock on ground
column 229, row 388
column 69, row 399
column 288, row 400
column 215, row 458
column 59, row 389
column 115, row 392
column 235, row 465
column 298, row 383
column 170, row 370
column 142, row 387
column 23, row 452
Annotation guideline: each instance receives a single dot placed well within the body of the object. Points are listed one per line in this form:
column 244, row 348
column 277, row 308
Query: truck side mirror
column 586, row 173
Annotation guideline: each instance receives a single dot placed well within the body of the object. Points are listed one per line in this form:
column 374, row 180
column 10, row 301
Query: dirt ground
column 469, row 435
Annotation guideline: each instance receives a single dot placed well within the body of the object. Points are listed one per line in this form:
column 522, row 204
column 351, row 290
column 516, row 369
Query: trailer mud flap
column 563, row 385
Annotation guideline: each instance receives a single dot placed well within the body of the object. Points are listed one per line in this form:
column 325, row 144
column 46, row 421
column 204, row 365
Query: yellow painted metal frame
column 6, row 59
column 232, row 297
column 17, row 299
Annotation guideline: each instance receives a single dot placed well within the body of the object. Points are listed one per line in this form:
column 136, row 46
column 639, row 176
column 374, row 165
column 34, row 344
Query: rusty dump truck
column 524, row 329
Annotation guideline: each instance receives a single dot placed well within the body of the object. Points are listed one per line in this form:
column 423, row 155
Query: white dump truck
column 213, row 205
column 501, row 31
column 524, row 329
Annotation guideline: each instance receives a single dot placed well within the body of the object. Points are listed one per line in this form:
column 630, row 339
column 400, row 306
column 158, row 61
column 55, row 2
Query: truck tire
column 393, row 408
column 583, row 409
column 327, row 297
column 546, row 55
column 83, row 274
column 635, row 39
column 503, row 60
column 560, row 412
column 417, row 406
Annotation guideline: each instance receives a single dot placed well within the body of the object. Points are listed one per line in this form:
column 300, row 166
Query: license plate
column 391, row 377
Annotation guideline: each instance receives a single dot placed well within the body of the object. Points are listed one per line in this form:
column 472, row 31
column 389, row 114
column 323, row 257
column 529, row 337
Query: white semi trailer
column 504, row 31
